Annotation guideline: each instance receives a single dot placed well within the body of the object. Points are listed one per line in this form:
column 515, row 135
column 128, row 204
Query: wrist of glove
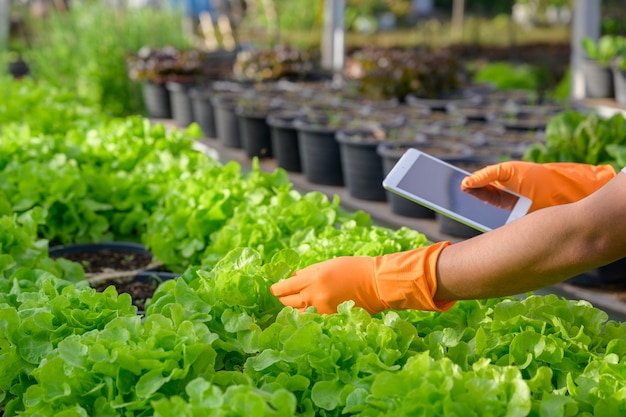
column 403, row 280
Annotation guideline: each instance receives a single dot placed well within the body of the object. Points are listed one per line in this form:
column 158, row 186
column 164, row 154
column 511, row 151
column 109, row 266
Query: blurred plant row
column 103, row 53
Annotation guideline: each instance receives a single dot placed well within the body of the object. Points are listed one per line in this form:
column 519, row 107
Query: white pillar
column 5, row 23
column 333, row 42
column 586, row 22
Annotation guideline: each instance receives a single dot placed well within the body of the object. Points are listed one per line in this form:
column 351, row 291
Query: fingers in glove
column 293, row 285
column 499, row 173
column 294, row 300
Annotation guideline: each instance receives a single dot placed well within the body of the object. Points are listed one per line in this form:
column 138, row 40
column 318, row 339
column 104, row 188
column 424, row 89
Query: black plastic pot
column 319, row 154
column 202, row 110
column 256, row 138
column 181, row 103
column 361, row 164
column 226, row 122
column 598, row 79
column 284, row 137
column 157, row 100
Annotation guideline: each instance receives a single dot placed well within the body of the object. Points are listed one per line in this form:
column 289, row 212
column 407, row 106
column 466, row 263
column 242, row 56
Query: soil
column 139, row 291
column 106, row 260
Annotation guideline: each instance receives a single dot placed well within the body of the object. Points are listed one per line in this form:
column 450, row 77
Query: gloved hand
column 545, row 184
column 403, row 280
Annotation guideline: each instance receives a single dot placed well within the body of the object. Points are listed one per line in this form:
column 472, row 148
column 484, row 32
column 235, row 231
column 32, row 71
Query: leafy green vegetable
column 575, row 137
column 605, row 49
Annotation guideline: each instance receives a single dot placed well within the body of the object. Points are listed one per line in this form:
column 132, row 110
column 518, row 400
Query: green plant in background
column 605, row 49
column 85, row 48
column 507, row 76
column 575, row 137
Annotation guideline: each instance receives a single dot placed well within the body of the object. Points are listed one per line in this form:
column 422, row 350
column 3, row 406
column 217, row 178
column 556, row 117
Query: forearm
column 538, row 250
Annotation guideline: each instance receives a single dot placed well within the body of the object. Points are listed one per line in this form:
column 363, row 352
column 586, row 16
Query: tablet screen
column 440, row 184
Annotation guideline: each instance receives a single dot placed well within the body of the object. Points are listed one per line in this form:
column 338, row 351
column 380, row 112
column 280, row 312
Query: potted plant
column 281, row 62
column 165, row 70
column 597, row 66
column 423, row 73
column 319, row 150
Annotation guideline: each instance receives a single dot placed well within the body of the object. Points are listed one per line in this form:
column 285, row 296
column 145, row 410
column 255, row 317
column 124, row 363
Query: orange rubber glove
column 545, row 184
column 403, row 280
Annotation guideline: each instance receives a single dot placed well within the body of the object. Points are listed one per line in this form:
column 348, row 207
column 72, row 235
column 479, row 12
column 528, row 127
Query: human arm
column 533, row 252
column 538, row 250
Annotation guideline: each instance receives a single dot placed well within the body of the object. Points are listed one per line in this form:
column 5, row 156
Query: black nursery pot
column 180, row 103
column 319, row 154
column 361, row 164
column 202, row 110
column 256, row 137
column 226, row 121
column 157, row 100
column 284, row 137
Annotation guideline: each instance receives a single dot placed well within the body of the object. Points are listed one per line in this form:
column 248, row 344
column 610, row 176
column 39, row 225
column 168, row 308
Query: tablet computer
column 436, row 184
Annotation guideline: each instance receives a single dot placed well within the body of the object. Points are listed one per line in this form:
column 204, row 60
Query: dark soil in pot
column 140, row 287
column 105, row 257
